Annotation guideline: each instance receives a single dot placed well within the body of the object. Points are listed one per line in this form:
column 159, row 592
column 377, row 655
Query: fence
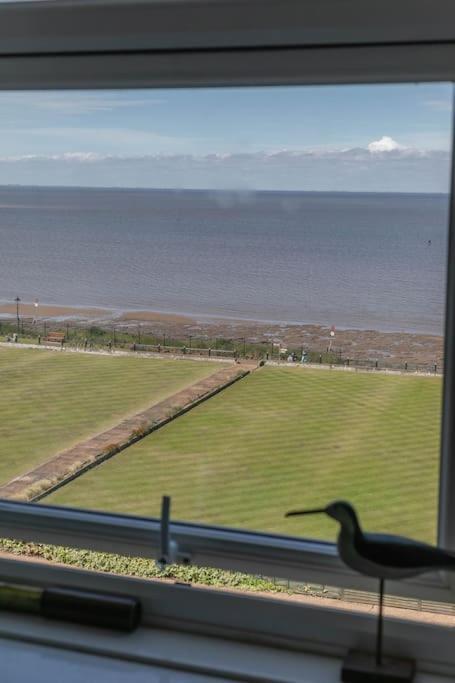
column 87, row 337
column 336, row 358
column 185, row 350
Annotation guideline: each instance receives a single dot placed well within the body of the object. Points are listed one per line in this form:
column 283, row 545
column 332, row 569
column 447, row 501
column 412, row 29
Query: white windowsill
column 35, row 642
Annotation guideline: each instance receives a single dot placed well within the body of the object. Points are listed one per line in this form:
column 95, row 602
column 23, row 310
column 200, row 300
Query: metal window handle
column 169, row 549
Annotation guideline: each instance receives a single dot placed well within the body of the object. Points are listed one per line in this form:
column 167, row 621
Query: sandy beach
column 29, row 310
column 390, row 347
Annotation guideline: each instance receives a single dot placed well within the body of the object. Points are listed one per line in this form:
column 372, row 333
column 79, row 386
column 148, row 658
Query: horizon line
column 217, row 190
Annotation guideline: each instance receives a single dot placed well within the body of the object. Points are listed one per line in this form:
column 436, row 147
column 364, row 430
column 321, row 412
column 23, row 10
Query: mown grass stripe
column 285, row 437
column 50, row 401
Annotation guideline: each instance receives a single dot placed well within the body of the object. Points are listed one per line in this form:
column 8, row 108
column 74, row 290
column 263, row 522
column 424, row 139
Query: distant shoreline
column 45, row 311
column 366, row 344
column 124, row 314
column 232, row 191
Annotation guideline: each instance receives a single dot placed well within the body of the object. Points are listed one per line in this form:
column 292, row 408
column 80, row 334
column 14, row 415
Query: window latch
column 169, row 549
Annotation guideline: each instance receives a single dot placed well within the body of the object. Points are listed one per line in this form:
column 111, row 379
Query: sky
column 383, row 138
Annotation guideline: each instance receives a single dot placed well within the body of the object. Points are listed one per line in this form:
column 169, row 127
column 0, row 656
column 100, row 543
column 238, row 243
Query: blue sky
column 355, row 138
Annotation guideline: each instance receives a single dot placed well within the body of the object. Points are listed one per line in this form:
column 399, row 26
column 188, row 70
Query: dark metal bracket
column 169, row 549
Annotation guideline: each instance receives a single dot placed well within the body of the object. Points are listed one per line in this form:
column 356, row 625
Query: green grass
column 284, row 438
column 51, row 400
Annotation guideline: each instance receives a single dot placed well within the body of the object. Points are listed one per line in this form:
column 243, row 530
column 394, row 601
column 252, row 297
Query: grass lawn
column 51, row 400
column 284, row 438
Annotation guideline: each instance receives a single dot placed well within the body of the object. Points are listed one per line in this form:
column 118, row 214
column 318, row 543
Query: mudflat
column 394, row 347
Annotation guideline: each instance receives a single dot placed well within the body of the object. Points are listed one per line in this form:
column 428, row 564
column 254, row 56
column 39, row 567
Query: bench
column 55, row 338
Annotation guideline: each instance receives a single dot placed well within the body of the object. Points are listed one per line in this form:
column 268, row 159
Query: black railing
column 87, row 337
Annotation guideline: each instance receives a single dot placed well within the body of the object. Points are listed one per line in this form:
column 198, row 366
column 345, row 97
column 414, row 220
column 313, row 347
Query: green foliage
column 139, row 567
column 326, row 357
column 95, row 332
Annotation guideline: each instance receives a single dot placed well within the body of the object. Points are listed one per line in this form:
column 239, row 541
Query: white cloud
column 77, row 103
column 105, row 136
column 100, row 140
column 66, row 156
column 385, row 144
column 400, row 169
column 439, row 105
column 87, row 105
column 379, row 151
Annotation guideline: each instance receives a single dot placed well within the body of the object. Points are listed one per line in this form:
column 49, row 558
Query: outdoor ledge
column 402, row 608
column 274, row 622
column 183, row 652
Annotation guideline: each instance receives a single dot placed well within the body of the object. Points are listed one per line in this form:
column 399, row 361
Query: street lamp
column 243, row 339
column 332, row 335
column 17, row 300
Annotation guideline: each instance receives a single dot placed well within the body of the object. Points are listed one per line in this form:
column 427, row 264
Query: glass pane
column 231, row 296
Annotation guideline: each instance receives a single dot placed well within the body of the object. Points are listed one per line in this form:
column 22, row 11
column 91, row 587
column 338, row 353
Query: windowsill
column 248, row 623
column 158, row 649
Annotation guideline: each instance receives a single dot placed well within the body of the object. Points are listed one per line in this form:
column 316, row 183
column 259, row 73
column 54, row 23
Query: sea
column 353, row 260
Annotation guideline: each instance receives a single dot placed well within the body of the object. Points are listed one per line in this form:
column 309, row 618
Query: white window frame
column 47, row 45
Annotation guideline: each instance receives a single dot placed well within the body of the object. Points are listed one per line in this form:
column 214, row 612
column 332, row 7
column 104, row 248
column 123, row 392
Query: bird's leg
column 379, row 631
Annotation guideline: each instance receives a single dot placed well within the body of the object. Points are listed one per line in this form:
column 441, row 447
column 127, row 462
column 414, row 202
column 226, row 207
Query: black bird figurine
column 382, row 556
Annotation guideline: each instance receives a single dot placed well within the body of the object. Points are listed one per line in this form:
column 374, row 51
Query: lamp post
column 332, row 335
column 17, row 300
column 243, row 339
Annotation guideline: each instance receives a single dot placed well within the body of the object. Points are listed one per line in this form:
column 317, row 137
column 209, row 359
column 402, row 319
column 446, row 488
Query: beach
column 392, row 348
column 29, row 310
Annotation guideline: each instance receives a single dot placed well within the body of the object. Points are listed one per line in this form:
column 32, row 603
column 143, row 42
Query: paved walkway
column 72, row 462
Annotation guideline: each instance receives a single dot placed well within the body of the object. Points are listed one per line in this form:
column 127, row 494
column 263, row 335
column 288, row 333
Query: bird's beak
column 294, row 513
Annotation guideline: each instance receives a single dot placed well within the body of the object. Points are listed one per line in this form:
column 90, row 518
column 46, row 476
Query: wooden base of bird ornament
column 361, row 667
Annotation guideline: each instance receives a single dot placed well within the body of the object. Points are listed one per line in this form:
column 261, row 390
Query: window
column 250, row 545
column 220, row 227
column 216, row 225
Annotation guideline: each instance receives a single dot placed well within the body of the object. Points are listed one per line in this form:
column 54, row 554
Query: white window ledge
column 54, row 650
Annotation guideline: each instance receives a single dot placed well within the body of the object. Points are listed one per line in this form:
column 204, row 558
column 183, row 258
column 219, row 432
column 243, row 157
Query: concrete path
column 72, row 462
